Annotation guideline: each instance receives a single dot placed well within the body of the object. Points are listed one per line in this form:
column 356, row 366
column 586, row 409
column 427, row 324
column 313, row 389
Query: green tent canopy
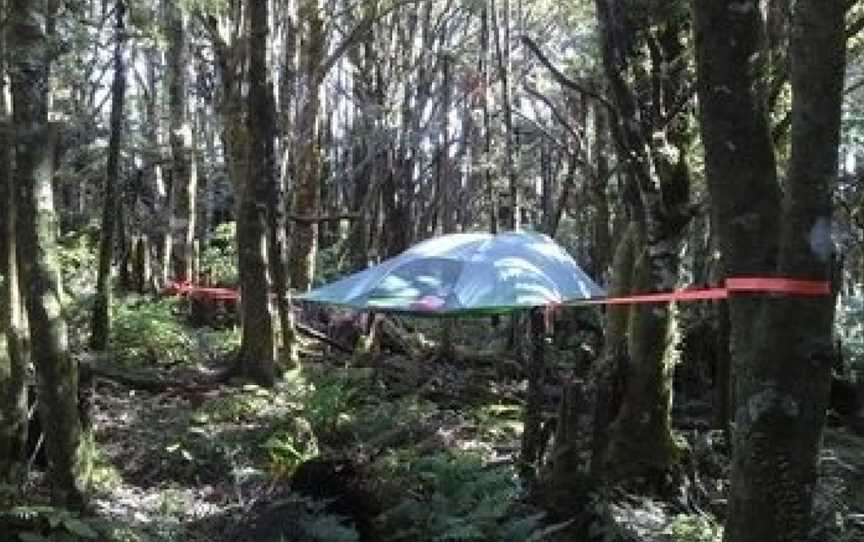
column 465, row 273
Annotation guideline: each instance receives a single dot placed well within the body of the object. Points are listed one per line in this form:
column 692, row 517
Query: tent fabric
column 465, row 273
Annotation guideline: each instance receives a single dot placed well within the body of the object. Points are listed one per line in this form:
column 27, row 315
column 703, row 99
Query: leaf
column 79, row 528
column 32, row 537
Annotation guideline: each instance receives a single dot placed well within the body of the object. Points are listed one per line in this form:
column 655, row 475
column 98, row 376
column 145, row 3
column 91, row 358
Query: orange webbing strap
column 733, row 286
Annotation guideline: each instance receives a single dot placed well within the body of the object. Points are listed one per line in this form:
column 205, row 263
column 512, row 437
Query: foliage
column 219, row 257
column 849, row 326
column 287, row 450
column 499, row 421
column 240, row 407
column 148, row 329
column 455, row 497
column 46, row 524
column 320, row 526
column 695, row 529
column 334, row 399
column 328, row 264
column 77, row 255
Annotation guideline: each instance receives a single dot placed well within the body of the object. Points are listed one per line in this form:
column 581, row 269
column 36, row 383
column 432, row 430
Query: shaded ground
column 433, row 443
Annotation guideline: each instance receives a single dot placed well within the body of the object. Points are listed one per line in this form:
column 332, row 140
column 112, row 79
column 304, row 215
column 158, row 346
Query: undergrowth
column 455, row 496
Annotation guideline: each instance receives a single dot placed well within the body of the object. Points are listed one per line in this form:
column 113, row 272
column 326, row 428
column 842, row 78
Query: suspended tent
column 465, row 273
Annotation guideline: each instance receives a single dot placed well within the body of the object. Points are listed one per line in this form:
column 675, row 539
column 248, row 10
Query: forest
column 193, row 192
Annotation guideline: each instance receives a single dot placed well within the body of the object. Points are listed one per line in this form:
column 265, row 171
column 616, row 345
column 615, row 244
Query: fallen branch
column 317, row 335
column 312, row 219
column 152, row 384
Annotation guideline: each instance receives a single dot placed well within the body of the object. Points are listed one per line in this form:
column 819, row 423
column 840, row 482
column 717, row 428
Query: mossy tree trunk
column 781, row 347
column 307, row 187
column 13, row 348
column 31, row 31
column 257, row 348
column 101, row 322
column 277, row 234
column 652, row 138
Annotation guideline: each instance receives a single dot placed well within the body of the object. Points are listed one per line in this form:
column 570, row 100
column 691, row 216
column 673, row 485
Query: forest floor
column 385, row 449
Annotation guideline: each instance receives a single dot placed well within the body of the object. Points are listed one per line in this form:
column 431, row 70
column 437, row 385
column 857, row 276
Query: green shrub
column 144, row 329
column 219, row 257
column 456, row 497
column 328, row 264
column 46, row 524
column 77, row 254
column 333, row 401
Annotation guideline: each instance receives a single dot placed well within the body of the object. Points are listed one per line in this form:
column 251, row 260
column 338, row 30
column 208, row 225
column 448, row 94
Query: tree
column 257, row 349
column 650, row 129
column 183, row 182
column 31, row 31
column 782, row 360
column 101, row 319
column 13, row 349
column 307, row 187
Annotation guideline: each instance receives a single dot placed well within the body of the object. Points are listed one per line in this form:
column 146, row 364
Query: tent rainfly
column 465, row 273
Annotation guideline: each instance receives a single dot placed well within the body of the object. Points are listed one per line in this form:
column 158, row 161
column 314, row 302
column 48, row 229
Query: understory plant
column 146, row 329
column 454, row 496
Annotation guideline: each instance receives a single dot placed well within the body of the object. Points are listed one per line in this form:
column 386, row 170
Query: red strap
column 779, row 285
column 754, row 285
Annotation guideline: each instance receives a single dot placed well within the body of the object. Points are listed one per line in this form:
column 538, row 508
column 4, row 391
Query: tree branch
column 853, row 29
column 555, row 113
column 563, row 79
column 359, row 30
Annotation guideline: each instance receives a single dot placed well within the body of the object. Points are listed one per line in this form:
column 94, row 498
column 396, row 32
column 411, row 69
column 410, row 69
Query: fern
column 456, row 498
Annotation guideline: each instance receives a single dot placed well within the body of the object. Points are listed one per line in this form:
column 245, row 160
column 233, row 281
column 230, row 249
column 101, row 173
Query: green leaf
column 79, row 528
column 32, row 537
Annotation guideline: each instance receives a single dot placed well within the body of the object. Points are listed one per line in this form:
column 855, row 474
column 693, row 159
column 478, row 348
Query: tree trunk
column 31, row 24
column 257, row 348
column 276, row 206
column 640, row 437
column 601, row 237
column 160, row 235
column 782, row 361
column 533, row 416
column 182, row 186
column 101, row 324
column 502, row 48
column 485, row 56
column 639, row 443
column 307, row 188
column 13, row 346
column 141, row 272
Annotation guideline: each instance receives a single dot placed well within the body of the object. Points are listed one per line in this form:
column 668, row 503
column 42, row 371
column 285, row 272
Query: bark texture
column 307, row 188
column 642, row 59
column 31, row 30
column 182, row 182
column 13, row 349
column 782, row 361
column 257, row 348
